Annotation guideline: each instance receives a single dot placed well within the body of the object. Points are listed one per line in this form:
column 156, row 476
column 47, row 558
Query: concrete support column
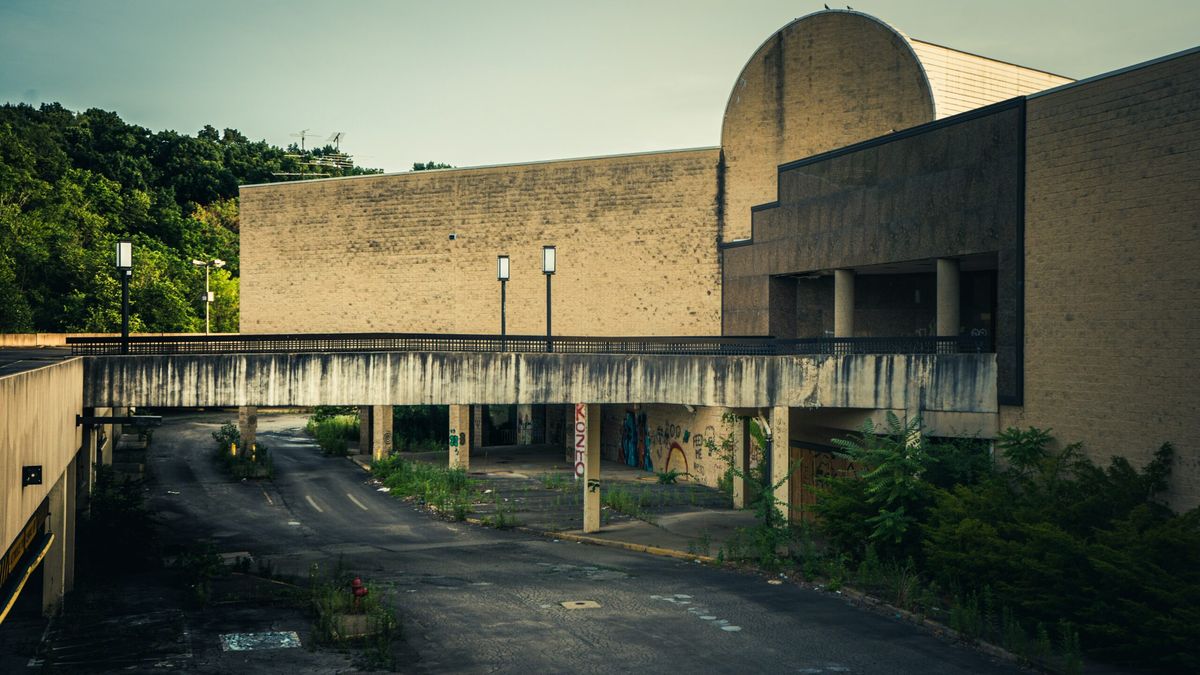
column 381, row 431
column 524, row 424
column 115, row 431
column 587, row 462
column 107, row 441
column 476, row 435
column 71, row 488
column 87, row 454
column 843, row 303
column 460, row 437
column 741, row 464
column 947, row 297
column 780, row 460
column 60, row 523
column 364, row 429
column 247, row 428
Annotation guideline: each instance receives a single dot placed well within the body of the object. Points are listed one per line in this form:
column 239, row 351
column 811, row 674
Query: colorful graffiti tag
column 635, row 441
column 581, row 428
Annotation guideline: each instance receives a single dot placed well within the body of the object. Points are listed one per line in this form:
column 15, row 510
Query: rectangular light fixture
column 502, row 267
column 548, row 259
column 124, row 255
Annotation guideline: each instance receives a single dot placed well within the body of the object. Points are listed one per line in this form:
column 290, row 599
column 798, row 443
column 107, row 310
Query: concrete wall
column 1111, row 246
column 60, row 339
column 635, row 237
column 674, row 437
column 38, row 429
column 959, row 382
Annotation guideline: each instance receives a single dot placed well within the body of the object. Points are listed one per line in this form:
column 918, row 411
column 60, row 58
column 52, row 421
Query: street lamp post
column 125, row 269
column 502, row 275
column 208, row 296
column 549, row 263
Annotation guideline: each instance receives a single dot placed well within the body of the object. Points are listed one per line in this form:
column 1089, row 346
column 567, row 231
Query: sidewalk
column 535, row 487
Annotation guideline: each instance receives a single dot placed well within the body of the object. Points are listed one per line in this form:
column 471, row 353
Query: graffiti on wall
column 635, row 441
column 668, row 447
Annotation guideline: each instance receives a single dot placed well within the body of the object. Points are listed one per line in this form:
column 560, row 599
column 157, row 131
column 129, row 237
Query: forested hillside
column 73, row 184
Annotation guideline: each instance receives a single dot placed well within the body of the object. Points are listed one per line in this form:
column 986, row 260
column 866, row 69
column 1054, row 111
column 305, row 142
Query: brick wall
column 635, row 237
column 1112, row 244
column 822, row 82
column 962, row 81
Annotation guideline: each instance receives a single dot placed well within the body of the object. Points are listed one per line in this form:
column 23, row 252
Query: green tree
column 429, row 166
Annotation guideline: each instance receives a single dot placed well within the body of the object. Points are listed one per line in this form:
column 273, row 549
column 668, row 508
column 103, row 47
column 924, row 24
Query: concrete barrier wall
column 964, row 382
column 38, row 429
column 60, row 339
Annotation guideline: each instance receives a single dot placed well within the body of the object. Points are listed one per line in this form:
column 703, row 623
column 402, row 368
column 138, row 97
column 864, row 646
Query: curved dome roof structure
column 838, row 77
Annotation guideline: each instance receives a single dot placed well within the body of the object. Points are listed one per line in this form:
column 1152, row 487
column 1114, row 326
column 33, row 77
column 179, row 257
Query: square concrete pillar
column 460, row 437
column 364, row 429
column 247, row 428
column 843, row 303
column 114, row 434
column 105, row 438
column 87, row 456
column 524, row 424
column 780, row 460
column 587, row 462
column 381, row 431
column 947, row 297
column 54, row 565
column 741, row 466
column 476, row 435
column 71, row 487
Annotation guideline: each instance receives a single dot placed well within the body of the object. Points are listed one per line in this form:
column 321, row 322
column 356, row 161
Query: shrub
column 333, row 432
column 1061, row 539
column 898, row 474
column 253, row 462
column 447, row 490
column 420, row 427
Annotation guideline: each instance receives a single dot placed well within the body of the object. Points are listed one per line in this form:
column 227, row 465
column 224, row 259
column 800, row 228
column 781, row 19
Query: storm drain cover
column 245, row 642
column 580, row 604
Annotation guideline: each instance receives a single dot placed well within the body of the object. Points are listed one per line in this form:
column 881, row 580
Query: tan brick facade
column 831, row 79
column 961, row 81
column 1112, row 244
column 635, row 235
column 800, row 95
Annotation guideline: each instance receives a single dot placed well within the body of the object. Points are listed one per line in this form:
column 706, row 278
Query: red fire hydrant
column 359, row 591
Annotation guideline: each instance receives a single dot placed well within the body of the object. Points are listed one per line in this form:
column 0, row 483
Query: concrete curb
column 628, row 546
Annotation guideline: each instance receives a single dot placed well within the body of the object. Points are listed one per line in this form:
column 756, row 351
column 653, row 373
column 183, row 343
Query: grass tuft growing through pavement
column 447, row 490
column 627, row 502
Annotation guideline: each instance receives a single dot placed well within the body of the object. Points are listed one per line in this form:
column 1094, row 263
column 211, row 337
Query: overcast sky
column 472, row 83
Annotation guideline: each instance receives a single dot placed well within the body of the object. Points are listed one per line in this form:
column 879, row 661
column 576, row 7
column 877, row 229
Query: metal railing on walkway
column 413, row 342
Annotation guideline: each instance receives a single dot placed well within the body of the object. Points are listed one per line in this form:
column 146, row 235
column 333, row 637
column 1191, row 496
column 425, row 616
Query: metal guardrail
column 414, row 342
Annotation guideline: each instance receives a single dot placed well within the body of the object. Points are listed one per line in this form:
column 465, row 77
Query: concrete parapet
column 947, row 383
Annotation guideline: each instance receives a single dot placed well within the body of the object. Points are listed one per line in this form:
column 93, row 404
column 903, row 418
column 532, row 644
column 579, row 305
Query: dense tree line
column 73, row 184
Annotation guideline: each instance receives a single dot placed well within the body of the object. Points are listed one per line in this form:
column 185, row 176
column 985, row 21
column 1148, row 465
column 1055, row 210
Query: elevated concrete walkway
column 959, row 383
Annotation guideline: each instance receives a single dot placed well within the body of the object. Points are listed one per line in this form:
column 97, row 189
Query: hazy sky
column 473, row 83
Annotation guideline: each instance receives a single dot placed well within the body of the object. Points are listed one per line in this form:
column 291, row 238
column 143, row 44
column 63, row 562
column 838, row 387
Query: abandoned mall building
column 907, row 228
column 868, row 185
